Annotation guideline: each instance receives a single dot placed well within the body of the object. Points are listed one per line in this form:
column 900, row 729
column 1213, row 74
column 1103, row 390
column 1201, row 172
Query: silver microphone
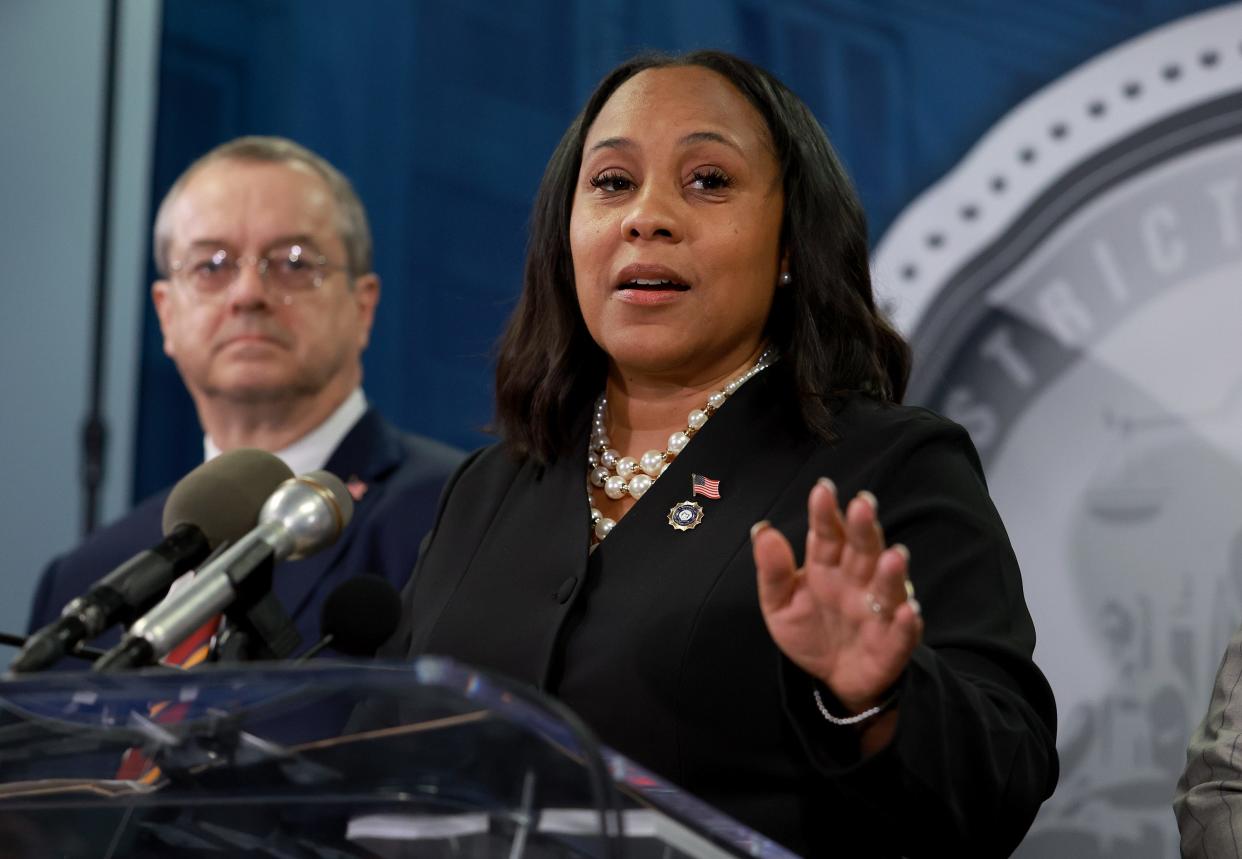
column 305, row 514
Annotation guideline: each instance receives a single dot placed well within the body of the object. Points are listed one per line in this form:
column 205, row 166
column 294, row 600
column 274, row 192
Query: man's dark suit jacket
column 402, row 474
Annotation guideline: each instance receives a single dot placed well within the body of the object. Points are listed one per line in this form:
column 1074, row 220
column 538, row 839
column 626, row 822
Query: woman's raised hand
column 848, row 615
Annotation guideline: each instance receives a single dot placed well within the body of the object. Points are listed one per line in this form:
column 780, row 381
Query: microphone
column 357, row 617
column 215, row 503
column 81, row 651
column 304, row 514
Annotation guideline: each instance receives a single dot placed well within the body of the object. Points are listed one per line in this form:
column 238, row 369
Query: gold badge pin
column 685, row 516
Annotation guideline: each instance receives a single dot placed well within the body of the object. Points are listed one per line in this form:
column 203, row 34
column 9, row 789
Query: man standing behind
column 266, row 304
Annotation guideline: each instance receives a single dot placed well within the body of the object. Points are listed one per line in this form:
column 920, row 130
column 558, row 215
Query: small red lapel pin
column 356, row 488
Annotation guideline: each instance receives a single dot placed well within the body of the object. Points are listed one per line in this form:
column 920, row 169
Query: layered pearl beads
column 620, row 476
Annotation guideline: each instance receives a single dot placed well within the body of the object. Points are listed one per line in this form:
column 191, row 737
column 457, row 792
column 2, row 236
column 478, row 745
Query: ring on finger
column 872, row 603
column 914, row 603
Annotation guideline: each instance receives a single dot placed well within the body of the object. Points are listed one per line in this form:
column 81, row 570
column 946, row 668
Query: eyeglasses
column 289, row 270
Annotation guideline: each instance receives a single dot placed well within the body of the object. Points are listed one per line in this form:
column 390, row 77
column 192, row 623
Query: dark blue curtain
column 444, row 113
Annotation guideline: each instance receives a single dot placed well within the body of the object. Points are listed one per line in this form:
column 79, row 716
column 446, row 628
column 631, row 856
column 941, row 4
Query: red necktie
column 195, row 647
column 192, row 650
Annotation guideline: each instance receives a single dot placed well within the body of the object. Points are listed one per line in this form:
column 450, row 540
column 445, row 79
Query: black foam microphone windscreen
column 360, row 615
column 223, row 497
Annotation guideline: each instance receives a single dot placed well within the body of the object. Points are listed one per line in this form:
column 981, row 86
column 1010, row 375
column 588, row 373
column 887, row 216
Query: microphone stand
column 258, row 625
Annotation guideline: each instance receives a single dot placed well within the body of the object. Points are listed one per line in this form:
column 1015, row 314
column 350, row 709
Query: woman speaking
column 708, row 527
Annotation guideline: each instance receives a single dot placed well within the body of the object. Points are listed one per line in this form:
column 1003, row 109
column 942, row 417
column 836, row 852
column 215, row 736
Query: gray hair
column 350, row 216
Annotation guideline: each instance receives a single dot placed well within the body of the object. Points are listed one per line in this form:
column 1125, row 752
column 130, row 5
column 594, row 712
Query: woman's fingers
column 774, row 561
column 848, row 616
column 864, row 541
column 825, row 536
column 907, row 630
column 888, row 587
column 845, row 555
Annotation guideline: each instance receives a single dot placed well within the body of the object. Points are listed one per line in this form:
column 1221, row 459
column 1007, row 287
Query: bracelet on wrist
column 857, row 718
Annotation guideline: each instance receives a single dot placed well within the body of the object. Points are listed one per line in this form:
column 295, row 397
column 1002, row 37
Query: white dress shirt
column 311, row 451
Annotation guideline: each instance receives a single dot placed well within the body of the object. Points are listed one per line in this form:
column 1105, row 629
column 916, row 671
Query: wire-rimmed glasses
column 289, row 270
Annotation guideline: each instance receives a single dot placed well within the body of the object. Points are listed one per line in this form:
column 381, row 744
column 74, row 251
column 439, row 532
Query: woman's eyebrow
column 708, row 137
column 691, row 138
column 613, row 143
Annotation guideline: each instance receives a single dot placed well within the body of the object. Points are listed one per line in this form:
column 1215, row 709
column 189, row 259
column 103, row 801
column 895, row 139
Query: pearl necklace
column 621, row 475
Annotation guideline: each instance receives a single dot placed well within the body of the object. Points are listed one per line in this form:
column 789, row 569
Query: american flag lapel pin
column 687, row 515
column 704, row 486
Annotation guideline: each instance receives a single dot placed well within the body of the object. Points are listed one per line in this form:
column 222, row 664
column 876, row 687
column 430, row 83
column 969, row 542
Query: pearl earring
column 786, row 279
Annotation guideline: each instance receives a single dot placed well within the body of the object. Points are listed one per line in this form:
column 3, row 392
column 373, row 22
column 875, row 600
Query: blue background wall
column 443, row 115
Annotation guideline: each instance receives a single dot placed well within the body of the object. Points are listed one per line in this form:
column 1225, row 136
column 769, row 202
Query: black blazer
column 403, row 476
column 657, row 641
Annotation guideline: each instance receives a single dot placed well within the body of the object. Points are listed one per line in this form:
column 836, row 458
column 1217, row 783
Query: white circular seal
column 1073, row 292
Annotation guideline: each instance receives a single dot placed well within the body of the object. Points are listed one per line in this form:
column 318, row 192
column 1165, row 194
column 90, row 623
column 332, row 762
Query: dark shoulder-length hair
column 832, row 338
